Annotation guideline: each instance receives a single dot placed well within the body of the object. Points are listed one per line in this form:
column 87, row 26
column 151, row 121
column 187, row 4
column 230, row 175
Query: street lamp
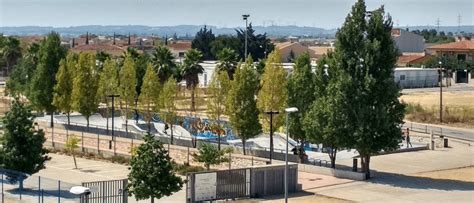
column 288, row 111
column 245, row 17
column 326, row 67
column 440, row 72
column 113, row 116
column 271, row 113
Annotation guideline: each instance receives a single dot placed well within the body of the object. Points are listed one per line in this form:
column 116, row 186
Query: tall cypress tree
column 202, row 42
column 366, row 52
column 41, row 93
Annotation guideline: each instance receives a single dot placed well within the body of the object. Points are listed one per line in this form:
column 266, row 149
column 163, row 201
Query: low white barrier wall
column 331, row 172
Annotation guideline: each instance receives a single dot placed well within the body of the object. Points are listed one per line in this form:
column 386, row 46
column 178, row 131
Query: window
column 402, row 77
column 462, row 57
column 181, row 54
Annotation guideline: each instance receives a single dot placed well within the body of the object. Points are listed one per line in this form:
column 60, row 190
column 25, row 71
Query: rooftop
column 466, row 45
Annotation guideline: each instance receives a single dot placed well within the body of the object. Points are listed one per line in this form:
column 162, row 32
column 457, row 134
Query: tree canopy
column 202, row 42
column 257, row 44
column 151, row 173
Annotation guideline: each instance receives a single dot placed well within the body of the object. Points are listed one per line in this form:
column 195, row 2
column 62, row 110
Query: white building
column 408, row 77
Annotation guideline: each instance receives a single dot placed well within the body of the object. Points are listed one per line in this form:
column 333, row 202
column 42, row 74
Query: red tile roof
column 180, row 45
column 465, row 45
column 110, row 49
column 407, row 59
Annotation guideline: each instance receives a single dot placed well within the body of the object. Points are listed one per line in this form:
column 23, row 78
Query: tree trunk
column 87, row 119
column 171, row 128
column 365, row 165
column 68, row 118
column 126, row 119
column 301, row 154
column 243, row 145
column 152, row 199
column 149, row 117
column 193, row 107
column 74, row 157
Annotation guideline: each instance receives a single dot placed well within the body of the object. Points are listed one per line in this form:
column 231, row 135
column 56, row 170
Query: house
column 408, row 42
column 461, row 50
column 319, row 51
column 178, row 48
column 291, row 50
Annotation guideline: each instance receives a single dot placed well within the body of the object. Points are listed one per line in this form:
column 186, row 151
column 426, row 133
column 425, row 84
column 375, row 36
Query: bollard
column 354, row 165
column 432, row 143
column 82, row 140
column 445, row 142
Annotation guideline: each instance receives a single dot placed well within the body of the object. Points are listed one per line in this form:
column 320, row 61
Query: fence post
column 82, row 141
column 426, row 129
column 230, row 160
column 39, row 188
column 98, row 144
column 3, row 199
column 59, row 191
column 42, row 195
column 188, row 156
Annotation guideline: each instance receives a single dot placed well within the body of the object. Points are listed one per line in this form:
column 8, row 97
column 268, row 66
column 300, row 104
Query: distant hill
column 190, row 30
column 180, row 30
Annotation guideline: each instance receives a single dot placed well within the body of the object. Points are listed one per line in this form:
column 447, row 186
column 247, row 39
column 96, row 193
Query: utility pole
column 113, row 116
column 440, row 71
column 245, row 17
column 459, row 23
column 438, row 22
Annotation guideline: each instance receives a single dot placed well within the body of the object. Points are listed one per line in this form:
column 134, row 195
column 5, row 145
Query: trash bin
column 354, row 165
column 445, row 142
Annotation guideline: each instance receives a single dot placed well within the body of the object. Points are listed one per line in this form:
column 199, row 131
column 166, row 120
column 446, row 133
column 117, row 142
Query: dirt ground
column 303, row 199
column 431, row 99
column 460, row 174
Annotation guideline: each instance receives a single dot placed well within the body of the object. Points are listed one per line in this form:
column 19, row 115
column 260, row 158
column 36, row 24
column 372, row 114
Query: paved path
column 465, row 134
column 454, row 88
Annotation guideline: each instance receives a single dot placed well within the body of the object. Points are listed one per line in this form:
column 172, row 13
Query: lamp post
column 245, row 17
column 288, row 111
column 271, row 113
column 440, row 72
column 113, row 116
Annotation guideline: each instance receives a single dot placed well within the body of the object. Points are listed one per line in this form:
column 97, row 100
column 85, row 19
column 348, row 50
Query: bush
column 183, row 169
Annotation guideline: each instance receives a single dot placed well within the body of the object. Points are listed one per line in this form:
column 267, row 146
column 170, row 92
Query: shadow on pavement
column 413, row 182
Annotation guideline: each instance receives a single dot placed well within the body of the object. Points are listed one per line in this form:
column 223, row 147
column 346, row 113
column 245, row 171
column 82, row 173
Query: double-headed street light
column 288, row 111
column 245, row 17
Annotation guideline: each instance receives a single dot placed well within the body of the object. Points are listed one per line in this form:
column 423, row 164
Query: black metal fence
column 18, row 186
column 113, row 191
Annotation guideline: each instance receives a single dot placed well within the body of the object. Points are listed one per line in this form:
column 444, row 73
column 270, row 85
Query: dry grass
column 458, row 108
column 460, row 174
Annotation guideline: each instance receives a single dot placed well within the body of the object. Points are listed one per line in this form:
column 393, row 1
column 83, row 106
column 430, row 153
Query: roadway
column 463, row 134
column 454, row 88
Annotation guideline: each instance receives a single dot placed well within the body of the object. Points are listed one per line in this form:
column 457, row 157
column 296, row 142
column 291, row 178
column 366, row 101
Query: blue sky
column 224, row 13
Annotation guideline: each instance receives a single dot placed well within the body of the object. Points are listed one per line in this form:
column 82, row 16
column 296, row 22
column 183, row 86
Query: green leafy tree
column 151, row 173
column 10, row 51
column 19, row 82
column 42, row 85
column 85, row 85
column 101, row 57
column 367, row 53
column 228, row 60
column 167, row 105
column 71, row 145
column 150, row 93
column 190, row 71
column 164, row 63
column 202, row 42
column 326, row 119
column 217, row 90
column 257, row 44
column 241, row 104
column 108, row 83
column 273, row 94
column 21, row 145
column 127, row 86
column 63, row 88
column 211, row 155
column 300, row 90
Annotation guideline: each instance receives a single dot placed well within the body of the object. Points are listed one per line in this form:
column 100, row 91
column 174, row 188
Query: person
column 166, row 128
column 408, row 138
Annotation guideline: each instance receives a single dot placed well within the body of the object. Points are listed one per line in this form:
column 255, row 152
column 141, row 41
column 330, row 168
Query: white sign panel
column 205, row 186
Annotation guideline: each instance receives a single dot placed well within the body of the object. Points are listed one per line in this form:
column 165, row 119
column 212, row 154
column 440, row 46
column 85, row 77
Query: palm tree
column 164, row 64
column 227, row 61
column 190, row 71
column 10, row 52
